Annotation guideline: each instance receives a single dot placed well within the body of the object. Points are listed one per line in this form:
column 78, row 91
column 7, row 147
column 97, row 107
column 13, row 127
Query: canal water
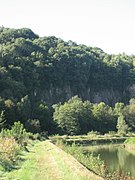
column 116, row 157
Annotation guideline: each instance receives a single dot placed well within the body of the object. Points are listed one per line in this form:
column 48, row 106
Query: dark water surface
column 116, row 157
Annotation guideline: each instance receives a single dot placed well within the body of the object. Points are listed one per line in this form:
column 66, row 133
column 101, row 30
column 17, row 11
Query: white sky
column 107, row 24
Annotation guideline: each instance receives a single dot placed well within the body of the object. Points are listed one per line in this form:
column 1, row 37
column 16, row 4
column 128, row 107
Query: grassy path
column 45, row 161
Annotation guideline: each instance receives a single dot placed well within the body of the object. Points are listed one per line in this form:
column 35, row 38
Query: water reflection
column 116, row 157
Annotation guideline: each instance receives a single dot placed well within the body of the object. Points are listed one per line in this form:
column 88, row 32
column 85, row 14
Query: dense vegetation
column 37, row 72
column 12, row 142
column 92, row 162
column 130, row 143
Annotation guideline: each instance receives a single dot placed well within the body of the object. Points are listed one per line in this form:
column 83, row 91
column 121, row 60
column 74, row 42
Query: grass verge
column 93, row 163
column 45, row 161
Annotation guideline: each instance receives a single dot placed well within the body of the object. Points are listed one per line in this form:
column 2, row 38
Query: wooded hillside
column 36, row 72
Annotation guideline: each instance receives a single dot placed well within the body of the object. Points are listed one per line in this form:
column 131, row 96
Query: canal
column 115, row 156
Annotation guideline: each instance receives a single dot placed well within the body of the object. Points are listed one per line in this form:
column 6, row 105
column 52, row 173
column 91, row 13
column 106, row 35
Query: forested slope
column 36, row 72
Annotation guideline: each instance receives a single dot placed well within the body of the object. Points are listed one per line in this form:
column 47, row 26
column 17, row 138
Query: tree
column 74, row 116
column 118, row 108
column 44, row 114
column 37, row 69
column 103, row 117
column 33, row 125
column 65, row 117
column 24, row 109
column 129, row 114
column 122, row 127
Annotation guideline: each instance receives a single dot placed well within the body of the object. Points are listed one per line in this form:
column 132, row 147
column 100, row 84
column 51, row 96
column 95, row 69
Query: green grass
column 130, row 141
column 95, row 164
column 45, row 161
column 33, row 167
column 22, row 170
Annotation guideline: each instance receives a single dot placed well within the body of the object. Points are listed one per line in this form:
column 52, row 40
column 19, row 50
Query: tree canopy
column 36, row 72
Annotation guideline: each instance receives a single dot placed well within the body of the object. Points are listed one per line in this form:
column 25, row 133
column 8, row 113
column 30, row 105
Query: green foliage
column 2, row 119
column 33, row 125
column 130, row 141
column 44, row 114
column 12, row 142
column 78, row 117
column 9, row 151
column 104, row 117
column 111, row 134
column 129, row 114
column 24, row 108
column 122, row 127
column 17, row 132
column 119, row 107
column 93, row 163
column 73, row 116
column 36, row 72
column 7, row 35
column 66, row 120
column 93, row 134
column 33, row 63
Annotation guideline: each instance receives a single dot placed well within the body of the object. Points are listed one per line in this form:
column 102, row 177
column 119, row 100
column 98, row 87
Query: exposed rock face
column 110, row 96
column 57, row 94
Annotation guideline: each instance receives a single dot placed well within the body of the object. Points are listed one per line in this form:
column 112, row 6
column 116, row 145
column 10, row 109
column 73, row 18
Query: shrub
column 9, row 151
column 111, row 134
column 93, row 134
column 17, row 132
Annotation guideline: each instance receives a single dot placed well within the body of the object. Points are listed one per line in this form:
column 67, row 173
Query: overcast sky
column 107, row 24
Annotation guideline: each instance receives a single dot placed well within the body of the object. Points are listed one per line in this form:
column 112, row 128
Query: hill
column 36, row 72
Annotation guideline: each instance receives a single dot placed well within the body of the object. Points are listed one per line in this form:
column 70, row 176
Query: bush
column 9, row 151
column 111, row 134
column 93, row 134
column 17, row 132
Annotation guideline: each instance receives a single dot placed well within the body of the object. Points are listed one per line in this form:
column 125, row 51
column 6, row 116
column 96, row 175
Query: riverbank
column 86, row 140
column 45, row 161
column 105, row 160
column 130, row 143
